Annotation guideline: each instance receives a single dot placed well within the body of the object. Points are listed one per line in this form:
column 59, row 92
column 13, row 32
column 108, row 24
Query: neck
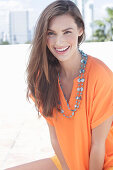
column 70, row 68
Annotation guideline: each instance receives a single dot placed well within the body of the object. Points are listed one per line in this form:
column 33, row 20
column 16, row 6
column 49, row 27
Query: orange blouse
column 74, row 134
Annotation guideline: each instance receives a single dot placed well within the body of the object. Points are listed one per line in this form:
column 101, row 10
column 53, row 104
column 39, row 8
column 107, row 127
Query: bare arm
column 56, row 147
column 99, row 135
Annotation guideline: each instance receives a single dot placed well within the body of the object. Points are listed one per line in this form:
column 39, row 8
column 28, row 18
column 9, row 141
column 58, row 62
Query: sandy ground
column 23, row 137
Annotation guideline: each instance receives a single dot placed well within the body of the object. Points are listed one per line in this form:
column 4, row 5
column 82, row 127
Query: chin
column 64, row 58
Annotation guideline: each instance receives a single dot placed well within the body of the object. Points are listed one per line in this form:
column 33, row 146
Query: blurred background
column 18, row 18
column 23, row 137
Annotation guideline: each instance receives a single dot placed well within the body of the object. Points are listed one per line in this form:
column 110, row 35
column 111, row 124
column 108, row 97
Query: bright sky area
column 36, row 6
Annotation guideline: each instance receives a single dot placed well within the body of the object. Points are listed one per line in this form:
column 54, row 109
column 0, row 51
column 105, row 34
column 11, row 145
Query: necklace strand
column 80, row 88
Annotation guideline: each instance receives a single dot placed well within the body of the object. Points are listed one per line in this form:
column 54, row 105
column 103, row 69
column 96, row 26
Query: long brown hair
column 43, row 67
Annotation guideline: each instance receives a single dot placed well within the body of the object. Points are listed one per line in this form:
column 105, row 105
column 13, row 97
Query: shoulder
column 99, row 71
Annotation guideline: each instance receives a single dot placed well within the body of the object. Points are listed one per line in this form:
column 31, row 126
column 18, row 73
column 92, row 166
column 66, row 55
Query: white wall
column 13, row 60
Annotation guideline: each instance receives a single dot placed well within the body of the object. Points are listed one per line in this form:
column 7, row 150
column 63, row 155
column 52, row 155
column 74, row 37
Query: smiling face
column 62, row 37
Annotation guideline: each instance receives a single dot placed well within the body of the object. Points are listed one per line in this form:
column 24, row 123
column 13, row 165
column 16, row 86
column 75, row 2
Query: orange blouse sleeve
column 102, row 105
column 48, row 119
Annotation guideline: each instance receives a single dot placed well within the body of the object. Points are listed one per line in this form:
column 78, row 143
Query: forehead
column 62, row 21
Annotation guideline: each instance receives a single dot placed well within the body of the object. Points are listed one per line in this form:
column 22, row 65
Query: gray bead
column 73, row 113
column 67, row 104
column 73, row 110
column 82, row 70
column 78, row 89
column 62, row 111
column 81, row 80
column 83, row 61
column 81, row 89
column 78, row 98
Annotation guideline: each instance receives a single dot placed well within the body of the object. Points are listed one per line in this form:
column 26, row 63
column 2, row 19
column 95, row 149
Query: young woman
column 73, row 91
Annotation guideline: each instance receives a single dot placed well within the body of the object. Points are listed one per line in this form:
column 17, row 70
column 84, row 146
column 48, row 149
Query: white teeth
column 62, row 49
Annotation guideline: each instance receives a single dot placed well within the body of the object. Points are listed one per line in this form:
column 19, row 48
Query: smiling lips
column 61, row 50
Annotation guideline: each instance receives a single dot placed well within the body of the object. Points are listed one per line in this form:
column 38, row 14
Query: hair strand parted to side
column 43, row 67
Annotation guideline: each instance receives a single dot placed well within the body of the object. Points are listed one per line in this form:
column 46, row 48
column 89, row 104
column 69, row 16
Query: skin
column 59, row 37
column 44, row 164
column 63, row 33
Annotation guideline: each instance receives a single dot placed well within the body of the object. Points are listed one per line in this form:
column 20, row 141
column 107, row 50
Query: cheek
column 49, row 42
column 50, row 45
column 72, row 39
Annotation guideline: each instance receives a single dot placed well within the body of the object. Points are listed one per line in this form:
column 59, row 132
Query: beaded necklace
column 80, row 88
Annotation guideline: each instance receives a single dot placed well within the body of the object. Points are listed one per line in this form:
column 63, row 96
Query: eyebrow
column 62, row 30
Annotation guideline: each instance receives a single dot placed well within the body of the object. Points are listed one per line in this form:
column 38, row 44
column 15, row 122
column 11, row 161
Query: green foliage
column 104, row 28
column 28, row 42
column 4, row 43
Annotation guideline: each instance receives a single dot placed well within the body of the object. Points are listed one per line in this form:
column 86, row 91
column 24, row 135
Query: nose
column 59, row 40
